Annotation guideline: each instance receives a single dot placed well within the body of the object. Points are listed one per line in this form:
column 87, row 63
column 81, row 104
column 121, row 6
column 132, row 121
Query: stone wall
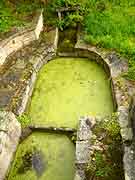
column 129, row 144
column 21, row 39
column 10, row 128
column 10, row 132
column 45, row 54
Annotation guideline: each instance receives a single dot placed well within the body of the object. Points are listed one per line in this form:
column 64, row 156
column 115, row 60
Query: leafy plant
column 24, row 120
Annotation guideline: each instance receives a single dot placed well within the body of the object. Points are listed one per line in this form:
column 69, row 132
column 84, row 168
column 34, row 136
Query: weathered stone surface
column 26, row 94
column 51, row 128
column 39, row 26
column 116, row 64
column 56, row 38
column 80, row 175
column 18, row 74
column 3, row 55
column 10, row 131
column 132, row 114
column 127, row 134
column 129, row 148
column 5, row 97
column 20, row 40
column 129, row 162
column 83, row 146
column 82, row 152
column 77, row 177
column 25, row 133
column 85, row 124
column 125, row 123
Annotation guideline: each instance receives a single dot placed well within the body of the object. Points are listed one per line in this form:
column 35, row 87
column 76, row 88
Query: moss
column 26, row 163
column 24, row 120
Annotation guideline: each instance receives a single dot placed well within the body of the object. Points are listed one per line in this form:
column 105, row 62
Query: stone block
column 85, row 125
column 10, row 132
column 82, row 152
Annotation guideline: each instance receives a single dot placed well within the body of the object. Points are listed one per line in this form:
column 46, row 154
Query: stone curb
column 21, row 39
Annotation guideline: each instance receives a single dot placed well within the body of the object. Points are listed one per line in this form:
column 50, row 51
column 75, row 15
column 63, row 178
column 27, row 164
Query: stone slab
column 85, row 125
column 82, row 152
column 10, row 132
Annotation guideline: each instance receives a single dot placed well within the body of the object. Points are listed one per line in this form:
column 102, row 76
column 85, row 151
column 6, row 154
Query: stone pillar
column 84, row 134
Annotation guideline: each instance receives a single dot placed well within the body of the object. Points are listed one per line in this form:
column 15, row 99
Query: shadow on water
column 33, row 160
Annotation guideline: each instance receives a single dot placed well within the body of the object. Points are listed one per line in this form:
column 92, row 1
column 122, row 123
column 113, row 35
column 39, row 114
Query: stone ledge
column 84, row 131
column 21, row 39
column 8, row 140
column 40, row 59
column 82, row 152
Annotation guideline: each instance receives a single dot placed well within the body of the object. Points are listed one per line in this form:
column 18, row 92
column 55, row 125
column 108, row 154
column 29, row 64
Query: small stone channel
column 66, row 89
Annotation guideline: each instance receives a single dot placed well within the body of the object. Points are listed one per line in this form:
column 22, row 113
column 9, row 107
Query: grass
column 7, row 20
column 16, row 15
column 107, row 24
column 111, row 25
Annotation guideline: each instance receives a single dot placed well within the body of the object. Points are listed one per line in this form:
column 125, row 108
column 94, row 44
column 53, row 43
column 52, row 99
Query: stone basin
column 65, row 90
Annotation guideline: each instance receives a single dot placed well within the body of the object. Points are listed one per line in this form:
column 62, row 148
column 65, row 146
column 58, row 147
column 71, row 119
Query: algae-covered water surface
column 44, row 156
column 68, row 88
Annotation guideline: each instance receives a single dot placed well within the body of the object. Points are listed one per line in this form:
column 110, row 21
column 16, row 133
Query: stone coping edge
column 21, row 39
column 39, row 60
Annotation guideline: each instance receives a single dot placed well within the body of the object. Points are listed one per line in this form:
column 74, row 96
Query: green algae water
column 57, row 153
column 68, row 88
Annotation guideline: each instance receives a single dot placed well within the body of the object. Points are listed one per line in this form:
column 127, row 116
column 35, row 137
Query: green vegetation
column 68, row 19
column 24, row 120
column 67, row 40
column 111, row 24
column 57, row 156
column 15, row 14
column 107, row 24
column 107, row 162
column 6, row 18
column 68, row 88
